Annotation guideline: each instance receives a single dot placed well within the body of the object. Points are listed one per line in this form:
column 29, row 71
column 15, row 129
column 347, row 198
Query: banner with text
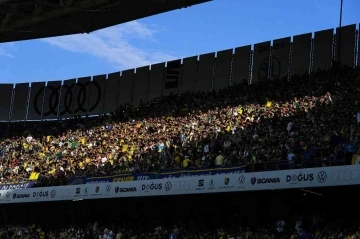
column 16, row 186
column 150, row 176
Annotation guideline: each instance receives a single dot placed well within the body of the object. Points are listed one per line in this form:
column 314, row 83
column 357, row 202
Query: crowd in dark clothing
column 317, row 228
column 309, row 119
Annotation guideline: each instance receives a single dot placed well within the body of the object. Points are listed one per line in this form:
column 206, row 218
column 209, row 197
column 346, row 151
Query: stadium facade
column 102, row 94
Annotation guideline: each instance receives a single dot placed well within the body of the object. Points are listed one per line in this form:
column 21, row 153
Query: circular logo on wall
column 53, row 193
column 274, row 69
column 241, row 179
column 168, row 186
column 322, row 176
column 108, row 188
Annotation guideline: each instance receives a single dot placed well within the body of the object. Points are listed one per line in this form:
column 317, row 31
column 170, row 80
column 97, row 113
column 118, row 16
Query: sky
column 204, row 28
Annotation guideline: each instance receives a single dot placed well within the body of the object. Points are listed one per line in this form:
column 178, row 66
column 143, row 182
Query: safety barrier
column 273, row 180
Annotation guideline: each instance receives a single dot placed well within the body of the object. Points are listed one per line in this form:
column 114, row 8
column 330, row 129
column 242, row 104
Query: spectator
column 219, row 160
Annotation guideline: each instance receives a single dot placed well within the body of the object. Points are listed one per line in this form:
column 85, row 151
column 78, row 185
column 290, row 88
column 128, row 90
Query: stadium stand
column 310, row 121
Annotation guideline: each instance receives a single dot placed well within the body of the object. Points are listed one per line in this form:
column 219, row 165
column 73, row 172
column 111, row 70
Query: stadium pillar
column 339, row 37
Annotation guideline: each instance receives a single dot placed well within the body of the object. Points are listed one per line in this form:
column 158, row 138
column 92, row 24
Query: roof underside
column 31, row 19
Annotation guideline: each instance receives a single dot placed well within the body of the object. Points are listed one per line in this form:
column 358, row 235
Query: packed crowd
column 244, row 124
column 317, row 229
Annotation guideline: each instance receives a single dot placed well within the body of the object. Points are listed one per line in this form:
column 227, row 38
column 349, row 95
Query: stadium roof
column 31, row 19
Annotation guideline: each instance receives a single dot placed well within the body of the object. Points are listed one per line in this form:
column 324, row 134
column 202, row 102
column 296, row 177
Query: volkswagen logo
column 168, row 186
column 322, row 176
column 241, row 179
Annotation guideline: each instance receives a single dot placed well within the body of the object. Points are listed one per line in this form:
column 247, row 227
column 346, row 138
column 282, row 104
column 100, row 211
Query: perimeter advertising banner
column 272, row 180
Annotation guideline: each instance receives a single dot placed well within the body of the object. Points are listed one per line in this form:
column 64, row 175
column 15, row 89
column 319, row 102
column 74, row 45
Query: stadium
column 256, row 142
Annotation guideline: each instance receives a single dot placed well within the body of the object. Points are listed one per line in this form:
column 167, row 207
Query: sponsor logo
column 322, row 176
column 108, row 188
column 295, row 178
column 41, row 194
column 152, row 187
column 65, row 193
column 168, row 186
column 344, row 175
column 212, row 184
column 86, row 191
column 78, row 191
column 21, row 195
column 274, row 47
column 97, row 189
column 201, row 183
column 8, row 195
column 125, row 190
column 183, row 186
column 81, row 96
column 266, row 68
column 53, row 193
column 241, row 179
column 226, row 184
column 253, row 181
column 264, row 180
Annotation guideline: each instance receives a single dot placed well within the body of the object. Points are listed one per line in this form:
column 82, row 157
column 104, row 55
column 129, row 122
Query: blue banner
column 11, row 186
column 166, row 174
